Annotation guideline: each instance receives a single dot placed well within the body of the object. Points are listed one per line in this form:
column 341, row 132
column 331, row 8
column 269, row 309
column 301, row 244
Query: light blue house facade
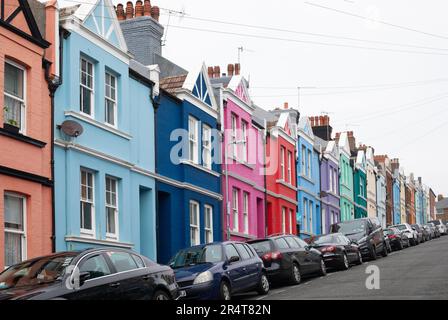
column 105, row 186
column 308, row 180
column 396, row 190
column 381, row 196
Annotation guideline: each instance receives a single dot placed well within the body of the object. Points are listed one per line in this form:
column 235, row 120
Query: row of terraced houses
column 106, row 142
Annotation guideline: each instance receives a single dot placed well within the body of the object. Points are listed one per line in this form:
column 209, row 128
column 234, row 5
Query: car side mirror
column 83, row 277
column 234, row 259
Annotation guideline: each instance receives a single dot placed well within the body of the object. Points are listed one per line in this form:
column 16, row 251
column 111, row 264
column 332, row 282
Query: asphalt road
column 419, row 272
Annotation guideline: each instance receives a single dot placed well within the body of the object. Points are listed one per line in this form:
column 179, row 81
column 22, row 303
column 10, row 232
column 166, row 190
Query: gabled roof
column 99, row 17
column 443, row 204
column 305, row 127
column 344, row 145
column 361, row 159
column 198, row 83
column 239, row 85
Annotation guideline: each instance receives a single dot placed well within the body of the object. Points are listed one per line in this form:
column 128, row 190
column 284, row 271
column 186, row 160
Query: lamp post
column 234, row 142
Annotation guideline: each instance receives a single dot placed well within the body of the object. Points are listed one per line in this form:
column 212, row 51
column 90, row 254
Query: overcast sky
column 395, row 101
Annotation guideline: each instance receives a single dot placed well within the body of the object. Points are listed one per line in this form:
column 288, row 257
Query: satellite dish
column 71, row 128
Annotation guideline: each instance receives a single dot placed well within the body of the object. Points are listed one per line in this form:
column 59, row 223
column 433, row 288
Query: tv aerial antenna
column 171, row 13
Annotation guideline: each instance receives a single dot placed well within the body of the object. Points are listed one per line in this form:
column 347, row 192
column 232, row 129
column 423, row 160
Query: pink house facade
column 243, row 158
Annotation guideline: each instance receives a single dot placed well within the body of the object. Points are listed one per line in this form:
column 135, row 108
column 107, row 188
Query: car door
column 100, row 282
column 250, row 267
column 131, row 279
column 305, row 256
column 235, row 270
column 351, row 251
column 295, row 250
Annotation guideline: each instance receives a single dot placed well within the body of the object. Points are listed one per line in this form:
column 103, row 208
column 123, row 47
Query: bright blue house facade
column 308, row 180
column 188, row 164
column 396, row 189
column 105, row 185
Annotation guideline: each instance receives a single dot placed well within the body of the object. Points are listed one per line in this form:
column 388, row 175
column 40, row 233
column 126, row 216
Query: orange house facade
column 281, row 178
column 25, row 129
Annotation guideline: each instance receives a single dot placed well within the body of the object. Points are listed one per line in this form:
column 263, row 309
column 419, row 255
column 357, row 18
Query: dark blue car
column 216, row 271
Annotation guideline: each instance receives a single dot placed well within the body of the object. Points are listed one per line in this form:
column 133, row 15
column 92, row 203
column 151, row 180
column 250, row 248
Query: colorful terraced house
column 346, row 177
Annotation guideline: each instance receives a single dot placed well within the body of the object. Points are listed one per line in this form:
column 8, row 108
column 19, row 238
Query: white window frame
column 112, row 236
column 234, row 121
column 87, row 232
column 291, row 221
column 193, row 134
column 207, row 146
column 283, row 220
column 309, row 169
column 114, row 101
column 304, row 173
column 208, row 230
column 310, row 214
column 193, row 227
column 290, row 167
column 244, row 128
column 246, row 212
column 23, row 233
column 282, row 163
column 92, row 90
column 324, row 220
column 235, row 209
column 23, row 101
column 305, row 214
column 330, row 182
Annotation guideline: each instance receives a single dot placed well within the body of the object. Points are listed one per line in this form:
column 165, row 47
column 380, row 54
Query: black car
column 289, row 258
column 338, row 251
column 93, row 274
column 398, row 240
column 368, row 234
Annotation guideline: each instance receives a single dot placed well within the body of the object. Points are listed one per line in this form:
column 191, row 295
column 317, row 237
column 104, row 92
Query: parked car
column 94, row 274
column 367, row 233
column 418, row 228
column 219, row 270
column 338, row 251
column 287, row 257
column 432, row 229
column 398, row 240
column 439, row 224
column 426, row 232
column 411, row 233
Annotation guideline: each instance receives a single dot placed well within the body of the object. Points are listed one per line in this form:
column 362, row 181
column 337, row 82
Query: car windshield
column 36, row 271
column 262, row 246
column 350, row 228
column 401, row 227
column 197, row 255
column 326, row 239
column 436, row 222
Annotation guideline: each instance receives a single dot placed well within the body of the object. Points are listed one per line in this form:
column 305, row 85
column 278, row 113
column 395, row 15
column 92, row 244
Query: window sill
column 286, row 184
column 22, row 138
column 306, row 178
column 199, row 167
column 99, row 242
column 244, row 163
column 90, row 120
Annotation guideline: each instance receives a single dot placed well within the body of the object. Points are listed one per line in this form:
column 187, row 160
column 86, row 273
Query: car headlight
column 362, row 241
column 203, row 277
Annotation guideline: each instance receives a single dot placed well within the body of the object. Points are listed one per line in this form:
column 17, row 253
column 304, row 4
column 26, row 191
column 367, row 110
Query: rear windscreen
column 262, row 246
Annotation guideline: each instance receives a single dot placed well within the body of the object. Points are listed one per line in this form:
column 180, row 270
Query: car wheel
column 323, row 268
column 384, row 253
column 224, row 291
column 345, row 264
column 360, row 261
column 263, row 286
column 373, row 253
column 161, row 295
column 296, row 277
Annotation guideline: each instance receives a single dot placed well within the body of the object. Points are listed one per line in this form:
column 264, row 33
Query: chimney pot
column 139, row 8
column 129, row 10
column 147, row 8
column 120, row 12
column 217, row 71
column 237, row 69
column 210, row 72
column 312, row 121
column 155, row 13
column 230, row 69
column 321, row 121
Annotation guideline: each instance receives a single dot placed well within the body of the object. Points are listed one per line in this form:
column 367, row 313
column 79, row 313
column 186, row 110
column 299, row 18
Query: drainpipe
column 265, row 181
column 156, row 104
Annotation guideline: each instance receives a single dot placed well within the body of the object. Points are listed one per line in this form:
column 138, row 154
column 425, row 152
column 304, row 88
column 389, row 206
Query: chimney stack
column 321, row 127
column 147, row 8
column 120, row 12
column 230, row 70
column 139, row 8
column 129, row 10
column 237, row 69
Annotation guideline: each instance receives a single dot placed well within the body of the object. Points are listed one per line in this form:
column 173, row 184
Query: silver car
column 405, row 228
column 439, row 224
